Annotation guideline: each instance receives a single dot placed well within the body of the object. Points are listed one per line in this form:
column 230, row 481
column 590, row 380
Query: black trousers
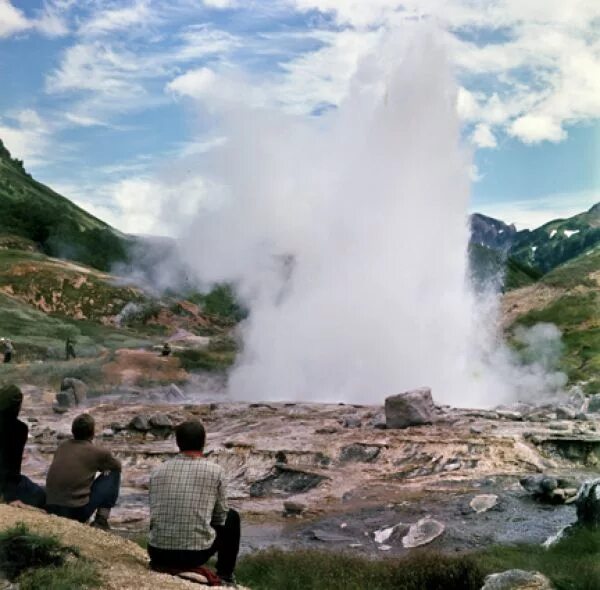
column 226, row 546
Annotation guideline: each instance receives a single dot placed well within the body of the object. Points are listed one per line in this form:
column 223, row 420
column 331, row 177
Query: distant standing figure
column 166, row 349
column 13, row 436
column 70, row 349
column 9, row 350
column 73, row 489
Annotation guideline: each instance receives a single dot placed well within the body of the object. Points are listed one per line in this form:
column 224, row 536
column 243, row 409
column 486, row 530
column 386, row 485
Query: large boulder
column 517, row 580
column 78, row 387
column 140, row 423
column 411, row 408
column 65, row 400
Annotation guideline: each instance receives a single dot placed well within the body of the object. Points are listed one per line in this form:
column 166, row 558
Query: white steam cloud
column 346, row 235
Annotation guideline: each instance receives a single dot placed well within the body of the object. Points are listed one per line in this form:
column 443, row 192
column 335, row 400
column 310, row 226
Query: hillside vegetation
column 31, row 210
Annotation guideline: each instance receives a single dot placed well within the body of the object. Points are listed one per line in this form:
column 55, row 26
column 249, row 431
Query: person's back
column 187, row 494
column 189, row 517
column 72, row 487
column 13, row 437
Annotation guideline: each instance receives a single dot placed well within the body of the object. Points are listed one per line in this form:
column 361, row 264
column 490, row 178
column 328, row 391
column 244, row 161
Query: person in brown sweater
column 72, row 488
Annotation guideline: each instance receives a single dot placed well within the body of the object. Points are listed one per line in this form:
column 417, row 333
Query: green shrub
column 304, row 570
column 205, row 360
column 21, row 550
column 72, row 576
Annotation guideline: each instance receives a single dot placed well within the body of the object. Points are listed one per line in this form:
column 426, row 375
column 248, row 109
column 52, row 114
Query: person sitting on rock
column 73, row 489
column 166, row 349
column 189, row 517
column 15, row 487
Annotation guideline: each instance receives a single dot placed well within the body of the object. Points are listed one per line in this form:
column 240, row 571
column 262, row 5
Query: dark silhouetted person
column 9, row 350
column 166, row 349
column 13, row 436
column 72, row 487
column 70, row 349
column 189, row 517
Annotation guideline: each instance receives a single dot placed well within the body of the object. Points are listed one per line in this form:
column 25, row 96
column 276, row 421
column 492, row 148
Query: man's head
column 11, row 399
column 83, row 427
column 190, row 436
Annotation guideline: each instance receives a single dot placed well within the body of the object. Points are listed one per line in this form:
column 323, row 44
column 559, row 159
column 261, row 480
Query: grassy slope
column 548, row 246
column 33, row 211
column 576, row 311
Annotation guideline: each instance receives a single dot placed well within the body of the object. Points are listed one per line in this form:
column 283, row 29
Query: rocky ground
column 332, row 476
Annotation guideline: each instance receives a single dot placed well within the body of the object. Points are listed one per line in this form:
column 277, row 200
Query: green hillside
column 492, row 266
column 558, row 241
column 571, row 302
column 35, row 212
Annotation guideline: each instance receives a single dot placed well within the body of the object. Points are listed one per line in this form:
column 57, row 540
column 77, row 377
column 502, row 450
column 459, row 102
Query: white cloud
column 115, row 19
column 483, row 137
column 26, row 136
column 196, row 83
column 532, row 213
column 536, row 128
column 12, row 20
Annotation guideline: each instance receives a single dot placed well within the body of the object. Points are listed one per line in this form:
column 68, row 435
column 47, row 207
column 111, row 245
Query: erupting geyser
column 346, row 234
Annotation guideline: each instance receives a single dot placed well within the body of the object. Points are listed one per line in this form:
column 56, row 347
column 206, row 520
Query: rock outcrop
column 412, row 408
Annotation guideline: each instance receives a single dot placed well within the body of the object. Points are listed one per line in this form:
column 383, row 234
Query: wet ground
column 352, row 477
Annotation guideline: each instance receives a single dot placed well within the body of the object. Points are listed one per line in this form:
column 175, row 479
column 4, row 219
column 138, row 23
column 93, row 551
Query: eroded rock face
column 411, row 408
column 517, row 580
column 285, row 480
column 359, row 452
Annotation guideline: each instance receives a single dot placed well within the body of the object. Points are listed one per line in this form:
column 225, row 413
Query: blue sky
column 100, row 97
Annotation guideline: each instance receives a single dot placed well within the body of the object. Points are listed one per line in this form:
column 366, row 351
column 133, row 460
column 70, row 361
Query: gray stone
column 411, row 408
column 107, row 433
column 422, row 533
column 566, row 413
column 379, row 422
column 594, row 403
column 350, row 421
column 359, row 452
column 293, row 508
column 510, row 415
column 161, row 422
column 541, row 486
column 66, row 399
column 79, row 388
column 483, row 502
column 174, row 392
column 517, row 580
column 141, row 423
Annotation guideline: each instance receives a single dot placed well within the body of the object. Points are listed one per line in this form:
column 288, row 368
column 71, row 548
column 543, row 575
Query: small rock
column 174, row 392
column 293, row 508
column 566, row 413
column 350, row 421
column 423, row 532
column 476, row 429
column 379, row 422
column 517, row 580
column 558, row 427
column 384, row 547
column 329, row 537
column 66, row 399
column 107, row 433
column 359, row 452
column 411, row 408
column 140, row 423
column 483, row 502
column 80, row 389
column 510, row 415
column 161, row 422
column 453, row 465
column 327, row 430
